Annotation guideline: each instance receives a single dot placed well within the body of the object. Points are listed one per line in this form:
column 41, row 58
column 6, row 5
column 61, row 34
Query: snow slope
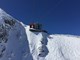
column 58, row 47
column 13, row 40
column 18, row 43
column 63, row 47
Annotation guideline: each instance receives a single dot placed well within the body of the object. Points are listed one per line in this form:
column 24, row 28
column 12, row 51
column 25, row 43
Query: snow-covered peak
column 4, row 16
column 1, row 11
column 17, row 42
column 13, row 39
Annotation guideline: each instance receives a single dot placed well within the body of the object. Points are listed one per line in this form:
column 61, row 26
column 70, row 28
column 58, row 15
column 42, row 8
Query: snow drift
column 17, row 42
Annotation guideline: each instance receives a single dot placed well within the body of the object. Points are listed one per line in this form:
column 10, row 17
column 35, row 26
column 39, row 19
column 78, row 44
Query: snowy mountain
column 13, row 39
column 17, row 42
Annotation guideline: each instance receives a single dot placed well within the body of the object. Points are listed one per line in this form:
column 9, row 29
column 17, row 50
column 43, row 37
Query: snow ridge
column 13, row 39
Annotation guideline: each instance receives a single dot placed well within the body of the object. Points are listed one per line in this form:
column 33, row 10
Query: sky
column 56, row 16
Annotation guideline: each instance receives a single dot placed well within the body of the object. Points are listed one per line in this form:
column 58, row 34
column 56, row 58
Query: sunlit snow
column 18, row 43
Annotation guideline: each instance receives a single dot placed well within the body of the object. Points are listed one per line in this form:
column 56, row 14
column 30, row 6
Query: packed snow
column 17, row 42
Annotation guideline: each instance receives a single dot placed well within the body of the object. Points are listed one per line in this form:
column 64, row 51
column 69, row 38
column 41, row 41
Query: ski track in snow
column 18, row 43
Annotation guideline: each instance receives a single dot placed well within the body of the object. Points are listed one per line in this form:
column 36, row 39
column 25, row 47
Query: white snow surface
column 18, row 43
column 60, row 47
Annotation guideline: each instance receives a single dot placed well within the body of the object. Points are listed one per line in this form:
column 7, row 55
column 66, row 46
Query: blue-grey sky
column 57, row 16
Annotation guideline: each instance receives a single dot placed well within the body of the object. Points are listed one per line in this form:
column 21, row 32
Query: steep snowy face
column 4, row 16
column 13, row 40
column 37, row 43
